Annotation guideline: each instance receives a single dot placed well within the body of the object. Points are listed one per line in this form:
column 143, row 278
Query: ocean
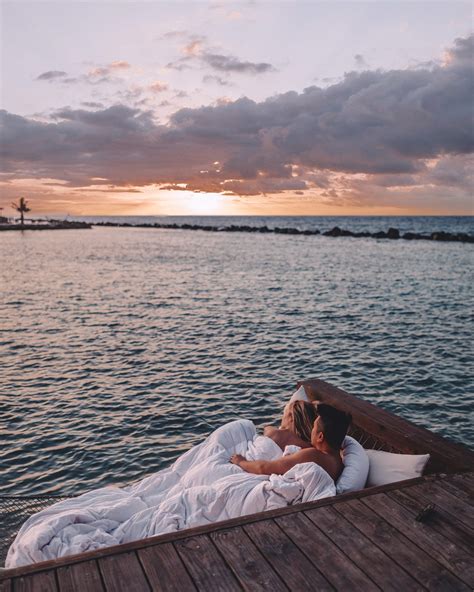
column 123, row 347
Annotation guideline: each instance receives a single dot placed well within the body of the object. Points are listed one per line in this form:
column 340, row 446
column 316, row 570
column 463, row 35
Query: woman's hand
column 236, row 459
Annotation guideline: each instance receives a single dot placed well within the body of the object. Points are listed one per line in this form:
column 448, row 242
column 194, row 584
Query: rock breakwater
column 390, row 234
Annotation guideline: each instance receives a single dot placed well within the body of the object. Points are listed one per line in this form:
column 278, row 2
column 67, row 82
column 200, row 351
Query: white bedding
column 201, row 487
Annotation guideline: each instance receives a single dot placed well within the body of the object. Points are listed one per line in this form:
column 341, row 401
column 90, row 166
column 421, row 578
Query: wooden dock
column 411, row 535
column 371, row 540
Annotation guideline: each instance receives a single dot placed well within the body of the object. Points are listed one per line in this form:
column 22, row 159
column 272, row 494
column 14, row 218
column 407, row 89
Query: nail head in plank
column 205, row 565
column 79, row 577
column 164, row 569
column 421, row 566
column 246, row 561
column 40, row 582
column 123, row 573
column 335, row 566
column 373, row 561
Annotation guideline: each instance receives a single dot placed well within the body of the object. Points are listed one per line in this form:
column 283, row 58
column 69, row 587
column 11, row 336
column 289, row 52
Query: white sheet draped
column 200, row 488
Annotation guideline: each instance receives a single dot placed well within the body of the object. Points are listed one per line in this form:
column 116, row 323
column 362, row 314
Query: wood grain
column 165, row 570
column 246, row 561
column 335, row 566
column 421, row 566
column 362, row 551
column 206, row 566
column 285, row 557
column 123, row 573
column 80, row 576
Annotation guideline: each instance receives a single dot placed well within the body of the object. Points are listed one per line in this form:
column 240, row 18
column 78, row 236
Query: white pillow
column 387, row 467
column 356, row 466
column 299, row 395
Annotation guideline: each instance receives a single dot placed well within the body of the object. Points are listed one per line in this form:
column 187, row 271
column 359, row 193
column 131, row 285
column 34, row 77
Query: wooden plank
column 462, row 489
column 205, row 565
column 41, row 582
column 421, row 566
column 6, row 586
column 335, row 566
column 122, row 573
column 356, row 546
column 80, row 576
column 439, row 520
column 459, row 510
column 463, row 482
column 247, row 563
column 451, row 507
column 432, row 542
column 164, row 569
column 286, row 559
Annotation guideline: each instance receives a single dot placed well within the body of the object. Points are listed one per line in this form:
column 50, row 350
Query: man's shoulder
column 308, row 453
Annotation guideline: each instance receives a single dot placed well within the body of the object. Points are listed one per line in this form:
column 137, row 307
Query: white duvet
column 201, row 487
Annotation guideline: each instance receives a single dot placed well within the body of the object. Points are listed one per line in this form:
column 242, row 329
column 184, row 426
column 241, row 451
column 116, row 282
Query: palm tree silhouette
column 21, row 207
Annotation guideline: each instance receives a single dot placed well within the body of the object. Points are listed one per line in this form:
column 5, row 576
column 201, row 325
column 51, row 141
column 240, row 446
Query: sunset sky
column 150, row 108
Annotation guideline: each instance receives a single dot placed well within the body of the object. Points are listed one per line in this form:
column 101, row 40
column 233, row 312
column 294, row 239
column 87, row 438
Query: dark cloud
column 225, row 63
column 195, row 51
column 372, row 130
column 216, row 80
column 52, row 75
column 360, row 61
column 92, row 105
column 94, row 76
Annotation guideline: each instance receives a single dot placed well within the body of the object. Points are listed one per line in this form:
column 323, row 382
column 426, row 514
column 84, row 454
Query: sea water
column 123, row 347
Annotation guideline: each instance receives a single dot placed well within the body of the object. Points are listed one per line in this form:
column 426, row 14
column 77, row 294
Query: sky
column 245, row 108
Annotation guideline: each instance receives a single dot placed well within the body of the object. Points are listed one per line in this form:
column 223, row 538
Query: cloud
column 119, row 65
column 216, row 80
column 360, row 61
column 96, row 75
column 52, row 75
column 195, row 50
column 158, row 86
column 92, row 105
column 225, row 63
column 392, row 132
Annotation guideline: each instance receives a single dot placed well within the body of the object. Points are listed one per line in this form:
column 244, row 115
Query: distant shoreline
column 54, row 225
column 391, row 234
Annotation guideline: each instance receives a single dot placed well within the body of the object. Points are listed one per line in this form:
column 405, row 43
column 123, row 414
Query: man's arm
column 277, row 467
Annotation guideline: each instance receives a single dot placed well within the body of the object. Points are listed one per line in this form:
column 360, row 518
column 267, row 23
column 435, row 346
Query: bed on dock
column 412, row 535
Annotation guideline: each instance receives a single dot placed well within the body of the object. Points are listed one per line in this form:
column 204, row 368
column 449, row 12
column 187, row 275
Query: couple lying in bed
column 316, row 430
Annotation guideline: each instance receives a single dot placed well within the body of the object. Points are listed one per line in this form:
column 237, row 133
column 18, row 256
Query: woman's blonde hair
column 303, row 416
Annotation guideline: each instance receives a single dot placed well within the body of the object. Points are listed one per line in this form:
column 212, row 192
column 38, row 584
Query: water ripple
column 121, row 351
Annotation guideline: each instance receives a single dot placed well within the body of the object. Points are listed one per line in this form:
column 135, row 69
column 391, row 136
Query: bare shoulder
column 307, row 454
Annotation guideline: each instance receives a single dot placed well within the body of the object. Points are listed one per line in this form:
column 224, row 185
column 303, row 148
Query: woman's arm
column 277, row 467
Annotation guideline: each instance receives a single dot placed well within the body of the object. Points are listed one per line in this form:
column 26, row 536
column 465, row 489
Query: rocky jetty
column 391, row 234
column 50, row 225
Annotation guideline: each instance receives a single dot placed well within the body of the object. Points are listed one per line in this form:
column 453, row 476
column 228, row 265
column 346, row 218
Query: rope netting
column 14, row 511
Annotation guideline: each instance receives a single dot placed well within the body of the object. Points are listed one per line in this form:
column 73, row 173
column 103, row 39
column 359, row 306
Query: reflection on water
column 121, row 348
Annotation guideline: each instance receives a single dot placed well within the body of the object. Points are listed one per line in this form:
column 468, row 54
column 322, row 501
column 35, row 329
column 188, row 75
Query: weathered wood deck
column 368, row 540
column 365, row 541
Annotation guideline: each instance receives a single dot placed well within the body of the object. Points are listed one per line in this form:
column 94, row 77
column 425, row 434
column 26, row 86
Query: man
column 329, row 430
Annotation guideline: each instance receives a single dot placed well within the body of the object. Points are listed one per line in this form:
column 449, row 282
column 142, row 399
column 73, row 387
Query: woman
column 296, row 425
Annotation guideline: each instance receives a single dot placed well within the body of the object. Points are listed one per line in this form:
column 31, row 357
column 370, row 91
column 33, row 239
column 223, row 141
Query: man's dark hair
column 334, row 424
